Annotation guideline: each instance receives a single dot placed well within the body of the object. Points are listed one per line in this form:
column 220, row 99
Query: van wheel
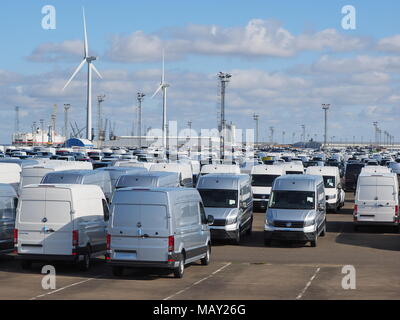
column 250, row 229
column 323, row 232
column 118, row 271
column 237, row 239
column 179, row 271
column 206, row 260
column 315, row 241
column 26, row 264
column 84, row 265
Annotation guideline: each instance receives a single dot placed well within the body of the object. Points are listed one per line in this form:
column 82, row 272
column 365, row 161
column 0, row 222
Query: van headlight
column 309, row 223
column 231, row 220
column 269, row 220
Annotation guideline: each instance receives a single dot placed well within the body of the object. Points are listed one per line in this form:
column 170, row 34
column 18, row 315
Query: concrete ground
column 249, row 271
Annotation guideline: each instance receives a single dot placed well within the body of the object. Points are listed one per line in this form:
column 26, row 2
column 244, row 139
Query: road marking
column 308, row 284
column 198, row 282
column 63, row 288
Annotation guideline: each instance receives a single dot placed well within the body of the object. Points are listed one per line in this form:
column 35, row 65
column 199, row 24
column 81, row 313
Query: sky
column 286, row 59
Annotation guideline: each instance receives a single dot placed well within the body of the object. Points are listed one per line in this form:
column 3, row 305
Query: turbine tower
column 90, row 66
column 163, row 86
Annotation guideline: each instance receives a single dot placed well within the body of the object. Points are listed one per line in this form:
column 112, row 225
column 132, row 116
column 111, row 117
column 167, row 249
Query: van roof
column 304, row 182
column 172, row 193
column 324, row 171
column 222, row 181
column 267, row 169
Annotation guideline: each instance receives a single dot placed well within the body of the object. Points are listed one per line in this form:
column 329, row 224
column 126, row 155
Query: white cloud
column 53, row 52
column 389, row 44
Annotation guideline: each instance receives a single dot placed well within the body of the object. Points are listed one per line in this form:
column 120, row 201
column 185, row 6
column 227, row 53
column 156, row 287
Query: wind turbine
column 163, row 86
column 90, row 66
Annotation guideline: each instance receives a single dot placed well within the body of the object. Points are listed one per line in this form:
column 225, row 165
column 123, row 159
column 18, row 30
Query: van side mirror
column 210, row 220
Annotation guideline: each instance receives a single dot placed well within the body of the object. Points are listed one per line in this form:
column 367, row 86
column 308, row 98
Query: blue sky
column 22, row 34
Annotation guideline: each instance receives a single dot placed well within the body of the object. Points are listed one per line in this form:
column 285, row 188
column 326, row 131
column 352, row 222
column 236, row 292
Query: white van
column 377, row 200
column 219, row 168
column 262, row 178
column 157, row 228
column 60, row 223
column 183, row 169
column 335, row 195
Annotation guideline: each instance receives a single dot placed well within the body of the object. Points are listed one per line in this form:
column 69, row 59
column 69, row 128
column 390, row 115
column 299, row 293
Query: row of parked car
column 149, row 218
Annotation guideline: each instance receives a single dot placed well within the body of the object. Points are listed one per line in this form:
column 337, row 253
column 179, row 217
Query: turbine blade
column 157, row 91
column 95, row 70
column 86, row 47
column 74, row 74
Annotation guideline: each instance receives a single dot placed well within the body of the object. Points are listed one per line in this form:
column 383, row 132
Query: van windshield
column 302, row 200
column 263, row 180
column 219, row 198
column 7, row 209
column 329, row 182
column 294, row 172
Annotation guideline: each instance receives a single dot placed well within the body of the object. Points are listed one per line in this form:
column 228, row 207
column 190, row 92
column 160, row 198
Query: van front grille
column 289, row 224
column 219, row 223
column 261, row 196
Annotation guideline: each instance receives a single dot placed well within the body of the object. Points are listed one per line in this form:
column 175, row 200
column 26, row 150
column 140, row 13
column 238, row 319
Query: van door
column 386, row 202
column 58, row 228
column 30, row 225
column 154, row 232
column 124, row 232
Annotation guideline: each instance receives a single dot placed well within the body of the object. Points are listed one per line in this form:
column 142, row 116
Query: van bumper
column 170, row 264
column 46, row 257
column 222, row 234
column 289, row 235
column 376, row 223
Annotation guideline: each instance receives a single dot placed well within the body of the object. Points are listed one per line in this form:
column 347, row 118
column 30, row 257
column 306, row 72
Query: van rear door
column 124, row 232
column 139, row 232
column 58, row 228
column 154, row 233
column 30, row 226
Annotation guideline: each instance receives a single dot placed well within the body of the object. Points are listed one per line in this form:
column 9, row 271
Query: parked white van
column 60, row 223
column 183, row 169
column 116, row 172
column 262, row 178
column 377, row 200
column 149, row 179
column 157, row 227
column 335, row 195
column 219, row 168
column 228, row 198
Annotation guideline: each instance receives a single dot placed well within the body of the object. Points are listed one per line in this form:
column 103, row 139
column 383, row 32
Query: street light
column 325, row 107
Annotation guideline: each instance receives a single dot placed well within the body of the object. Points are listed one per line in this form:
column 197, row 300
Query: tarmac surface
column 248, row 271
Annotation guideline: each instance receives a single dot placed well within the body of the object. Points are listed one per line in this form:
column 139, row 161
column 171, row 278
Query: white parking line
column 307, row 285
column 199, row 281
column 63, row 288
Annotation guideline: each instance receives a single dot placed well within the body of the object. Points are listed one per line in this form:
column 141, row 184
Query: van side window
column 202, row 214
column 105, row 210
